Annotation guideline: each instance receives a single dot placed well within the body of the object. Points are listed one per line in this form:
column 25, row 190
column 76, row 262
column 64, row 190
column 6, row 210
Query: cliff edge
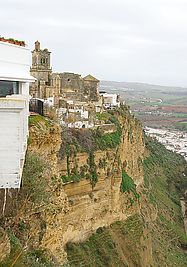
column 90, row 187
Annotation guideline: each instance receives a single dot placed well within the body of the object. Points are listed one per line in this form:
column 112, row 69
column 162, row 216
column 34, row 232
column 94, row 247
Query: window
column 43, row 60
column 8, row 88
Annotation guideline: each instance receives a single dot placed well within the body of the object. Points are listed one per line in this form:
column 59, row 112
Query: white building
column 110, row 100
column 14, row 109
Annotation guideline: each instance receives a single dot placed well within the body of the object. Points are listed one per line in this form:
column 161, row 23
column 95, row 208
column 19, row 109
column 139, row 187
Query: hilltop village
column 75, row 99
column 106, row 196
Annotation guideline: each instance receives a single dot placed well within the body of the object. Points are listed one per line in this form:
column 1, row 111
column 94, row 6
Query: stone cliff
column 94, row 199
column 78, row 209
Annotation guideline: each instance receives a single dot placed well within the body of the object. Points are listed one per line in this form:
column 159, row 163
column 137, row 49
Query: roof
column 90, row 78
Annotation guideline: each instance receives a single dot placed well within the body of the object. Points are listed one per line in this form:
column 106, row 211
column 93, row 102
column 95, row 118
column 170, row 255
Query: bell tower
column 40, row 58
column 40, row 69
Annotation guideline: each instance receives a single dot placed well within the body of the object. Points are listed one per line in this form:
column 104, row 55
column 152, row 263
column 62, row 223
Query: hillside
column 156, row 106
column 139, row 86
column 95, row 198
column 155, row 231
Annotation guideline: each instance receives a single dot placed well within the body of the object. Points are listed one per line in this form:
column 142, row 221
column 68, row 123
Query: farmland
column 156, row 106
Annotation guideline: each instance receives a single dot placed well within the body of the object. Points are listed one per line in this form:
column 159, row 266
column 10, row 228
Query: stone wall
column 72, row 86
column 91, row 90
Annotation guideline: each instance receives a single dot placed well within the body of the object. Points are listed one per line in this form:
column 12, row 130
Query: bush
column 86, row 140
column 128, row 185
column 38, row 258
column 34, row 182
column 92, row 169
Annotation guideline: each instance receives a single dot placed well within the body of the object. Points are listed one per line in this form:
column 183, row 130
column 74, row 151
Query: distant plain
column 156, row 106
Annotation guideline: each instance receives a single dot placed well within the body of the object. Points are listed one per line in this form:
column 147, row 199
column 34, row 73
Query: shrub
column 92, row 169
column 128, row 185
column 34, row 182
column 38, row 258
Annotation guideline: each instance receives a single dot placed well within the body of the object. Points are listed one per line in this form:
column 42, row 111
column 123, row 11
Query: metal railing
column 36, row 105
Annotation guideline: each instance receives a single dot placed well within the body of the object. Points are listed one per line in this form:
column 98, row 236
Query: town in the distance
column 76, row 100
column 73, row 99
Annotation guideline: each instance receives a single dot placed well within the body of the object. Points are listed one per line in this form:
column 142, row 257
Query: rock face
column 45, row 140
column 78, row 209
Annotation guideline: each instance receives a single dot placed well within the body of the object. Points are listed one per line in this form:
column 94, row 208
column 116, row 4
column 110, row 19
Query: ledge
column 12, row 103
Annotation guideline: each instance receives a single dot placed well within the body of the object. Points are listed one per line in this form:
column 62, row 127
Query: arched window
column 42, row 60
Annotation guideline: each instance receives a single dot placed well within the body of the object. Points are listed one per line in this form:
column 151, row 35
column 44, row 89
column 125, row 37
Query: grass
column 101, row 249
column 34, row 194
column 34, row 180
column 182, row 126
column 104, row 116
column 109, row 140
column 128, row 185
column 165, row 182
column 36, row 120
column 30, row 258
column 121, row 243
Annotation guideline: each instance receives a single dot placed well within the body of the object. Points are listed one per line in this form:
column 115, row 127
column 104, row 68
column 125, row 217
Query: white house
column 110, row 100
column 14, row 109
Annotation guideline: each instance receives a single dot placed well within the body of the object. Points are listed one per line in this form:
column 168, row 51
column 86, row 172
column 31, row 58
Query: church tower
column 40, row 69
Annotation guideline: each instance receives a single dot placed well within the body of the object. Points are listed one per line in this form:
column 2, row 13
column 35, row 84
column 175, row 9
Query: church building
column 60, row 86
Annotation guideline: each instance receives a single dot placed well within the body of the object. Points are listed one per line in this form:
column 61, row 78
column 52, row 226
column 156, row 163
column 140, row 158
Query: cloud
column 127, row 40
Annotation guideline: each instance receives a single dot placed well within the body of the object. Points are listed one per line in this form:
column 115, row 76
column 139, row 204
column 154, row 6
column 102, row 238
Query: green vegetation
column 16, row 251
column 102, row 248
column 38, row 258
column 70, row 178
column 34, row 181
column 165, row 181
column 104, row 116
column 128, row 185
column 182, row 126
column 14, row 242
column 38, row 120
column 30, row 258
column 108, row 140
column 88, row 171
column 32, row 196
column 92, row 169
column 179, row 115
column 88, row 140
column 121, row 243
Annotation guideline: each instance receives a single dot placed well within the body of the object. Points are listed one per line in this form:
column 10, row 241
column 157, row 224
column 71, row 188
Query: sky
column 116, row 40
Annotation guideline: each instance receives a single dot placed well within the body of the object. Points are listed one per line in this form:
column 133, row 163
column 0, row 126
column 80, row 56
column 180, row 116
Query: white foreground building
column 14, row 109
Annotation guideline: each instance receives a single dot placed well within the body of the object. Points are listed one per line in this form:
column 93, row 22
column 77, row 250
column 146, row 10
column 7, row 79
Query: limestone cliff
column 77, row 209
column 88, row 186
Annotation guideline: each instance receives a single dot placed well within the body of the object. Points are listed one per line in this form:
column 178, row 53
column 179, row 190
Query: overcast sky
column 121, row 40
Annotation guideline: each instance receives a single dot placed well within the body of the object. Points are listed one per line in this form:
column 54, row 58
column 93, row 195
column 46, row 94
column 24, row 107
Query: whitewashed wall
column 14, row 62
column 14, row 111
column 13, row 140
